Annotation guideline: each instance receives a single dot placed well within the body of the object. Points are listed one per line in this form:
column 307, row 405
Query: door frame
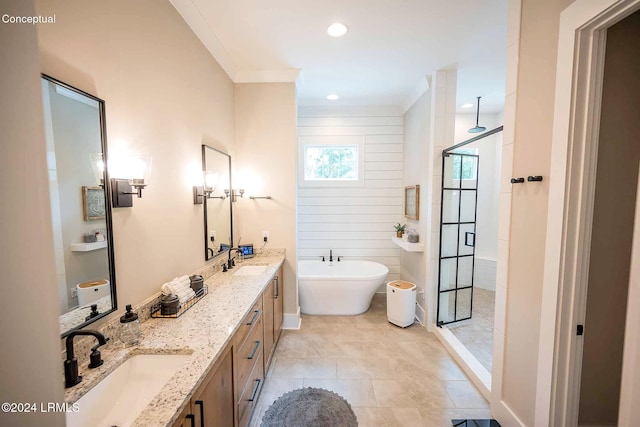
column 579, row 79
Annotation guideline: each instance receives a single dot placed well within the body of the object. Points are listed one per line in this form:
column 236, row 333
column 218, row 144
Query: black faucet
column 71, row 376
column 330, row 255
column 232, row 261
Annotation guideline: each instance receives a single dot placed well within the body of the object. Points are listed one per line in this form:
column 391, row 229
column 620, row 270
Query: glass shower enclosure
column 458, row 214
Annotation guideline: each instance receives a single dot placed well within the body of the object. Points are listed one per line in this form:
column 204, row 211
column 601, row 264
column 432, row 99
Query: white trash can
column 401, row 303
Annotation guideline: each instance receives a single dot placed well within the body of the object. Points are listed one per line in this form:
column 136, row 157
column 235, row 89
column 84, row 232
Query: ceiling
column 383, row 60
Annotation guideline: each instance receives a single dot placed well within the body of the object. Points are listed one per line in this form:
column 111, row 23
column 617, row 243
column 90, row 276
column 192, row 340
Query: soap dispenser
column 130, row 327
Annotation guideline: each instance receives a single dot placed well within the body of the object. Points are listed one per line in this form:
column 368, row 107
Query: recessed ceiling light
column 467, row 105
column 332, row 97
column 337, row 30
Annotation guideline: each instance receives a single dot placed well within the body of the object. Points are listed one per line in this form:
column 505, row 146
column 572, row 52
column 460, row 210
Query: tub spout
column 330, row 255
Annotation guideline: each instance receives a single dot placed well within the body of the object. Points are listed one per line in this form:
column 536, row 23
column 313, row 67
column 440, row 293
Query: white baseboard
column 504, row 415
column 292, row 320
column 478, row 374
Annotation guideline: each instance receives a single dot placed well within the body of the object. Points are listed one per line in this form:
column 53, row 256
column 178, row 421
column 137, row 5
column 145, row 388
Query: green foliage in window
column 333, row 162
column 469, row 164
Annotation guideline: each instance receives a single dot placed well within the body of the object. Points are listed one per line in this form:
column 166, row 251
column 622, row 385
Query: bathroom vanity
column 228, row 395
column 229, row 337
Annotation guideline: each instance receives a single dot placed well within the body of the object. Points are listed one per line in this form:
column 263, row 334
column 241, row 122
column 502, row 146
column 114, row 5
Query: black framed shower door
column 458, row 212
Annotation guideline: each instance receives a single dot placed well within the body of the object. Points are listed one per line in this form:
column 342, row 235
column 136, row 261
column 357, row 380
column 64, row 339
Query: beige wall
column 417, row 131
column 165, row 96
column 30, row 366
column 266, row 166
column 536, row 68
column 613, row 219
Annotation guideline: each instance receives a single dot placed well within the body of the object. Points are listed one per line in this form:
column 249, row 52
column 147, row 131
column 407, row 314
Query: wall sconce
column 200, row 192
column 233, row 194
column 131, row 171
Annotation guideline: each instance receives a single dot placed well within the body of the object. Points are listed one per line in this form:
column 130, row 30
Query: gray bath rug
column 310, row 407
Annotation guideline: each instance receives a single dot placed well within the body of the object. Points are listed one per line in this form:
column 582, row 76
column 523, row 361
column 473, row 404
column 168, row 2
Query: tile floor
column 477, row 333
column 390, row 376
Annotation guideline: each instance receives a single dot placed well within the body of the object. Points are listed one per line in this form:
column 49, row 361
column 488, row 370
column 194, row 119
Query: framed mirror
column 80, row 212
column 218, row 225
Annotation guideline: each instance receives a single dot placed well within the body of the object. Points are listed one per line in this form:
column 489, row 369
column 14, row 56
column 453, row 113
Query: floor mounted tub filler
column 343, row 288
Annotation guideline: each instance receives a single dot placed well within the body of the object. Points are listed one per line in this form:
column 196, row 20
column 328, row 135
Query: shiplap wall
column 356, row 222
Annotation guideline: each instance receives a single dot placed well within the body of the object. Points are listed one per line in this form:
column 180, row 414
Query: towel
column 166, row 289
column 185, row 294
column 181, row 280
column 176, row 286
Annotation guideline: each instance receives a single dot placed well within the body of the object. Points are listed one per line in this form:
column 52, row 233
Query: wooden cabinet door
column 268, row 305
column 213, row 405
column 278, row 307
column 186, row 418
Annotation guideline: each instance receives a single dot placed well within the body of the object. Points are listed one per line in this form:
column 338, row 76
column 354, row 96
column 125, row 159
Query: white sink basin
column 118, row 399
column 250, row 270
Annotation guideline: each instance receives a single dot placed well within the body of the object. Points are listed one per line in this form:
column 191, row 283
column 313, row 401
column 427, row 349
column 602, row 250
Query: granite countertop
column 203, row 332
column 78, row 315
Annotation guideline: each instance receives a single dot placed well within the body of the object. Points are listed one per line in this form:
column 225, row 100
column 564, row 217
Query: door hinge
column 580, row 330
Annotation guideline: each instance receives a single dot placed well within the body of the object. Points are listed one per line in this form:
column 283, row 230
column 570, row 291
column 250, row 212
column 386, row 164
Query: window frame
column 330, row 140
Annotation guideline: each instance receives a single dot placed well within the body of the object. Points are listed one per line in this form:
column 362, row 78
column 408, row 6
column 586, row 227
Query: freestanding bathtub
column 342, row 288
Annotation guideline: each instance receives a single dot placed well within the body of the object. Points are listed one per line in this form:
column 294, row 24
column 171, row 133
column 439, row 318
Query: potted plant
column 399, row 229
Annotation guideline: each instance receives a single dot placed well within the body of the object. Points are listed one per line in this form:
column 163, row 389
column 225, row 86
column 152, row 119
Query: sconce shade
column 139, row 168
column 129, row 171
column 210, row 180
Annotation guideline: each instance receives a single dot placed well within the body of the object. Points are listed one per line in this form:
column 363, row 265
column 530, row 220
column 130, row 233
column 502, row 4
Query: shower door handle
column 469, row 236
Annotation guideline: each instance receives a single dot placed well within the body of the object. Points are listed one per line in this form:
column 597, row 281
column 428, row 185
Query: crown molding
column 287, row 75
column 198, row 24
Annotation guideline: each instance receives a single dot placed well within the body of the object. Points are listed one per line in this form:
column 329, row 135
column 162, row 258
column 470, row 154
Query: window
column 330, row 162
column 469, row 164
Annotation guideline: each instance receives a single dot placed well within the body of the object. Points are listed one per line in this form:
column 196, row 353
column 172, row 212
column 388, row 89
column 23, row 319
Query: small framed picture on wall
column 93, row 204
column 412, row 202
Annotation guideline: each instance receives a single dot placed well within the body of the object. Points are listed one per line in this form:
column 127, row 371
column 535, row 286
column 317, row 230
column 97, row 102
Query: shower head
column 476, row 128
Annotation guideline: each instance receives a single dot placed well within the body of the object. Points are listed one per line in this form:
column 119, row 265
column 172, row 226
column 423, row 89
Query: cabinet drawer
column 248, row 322
column 250, row 394
column 247, row 355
